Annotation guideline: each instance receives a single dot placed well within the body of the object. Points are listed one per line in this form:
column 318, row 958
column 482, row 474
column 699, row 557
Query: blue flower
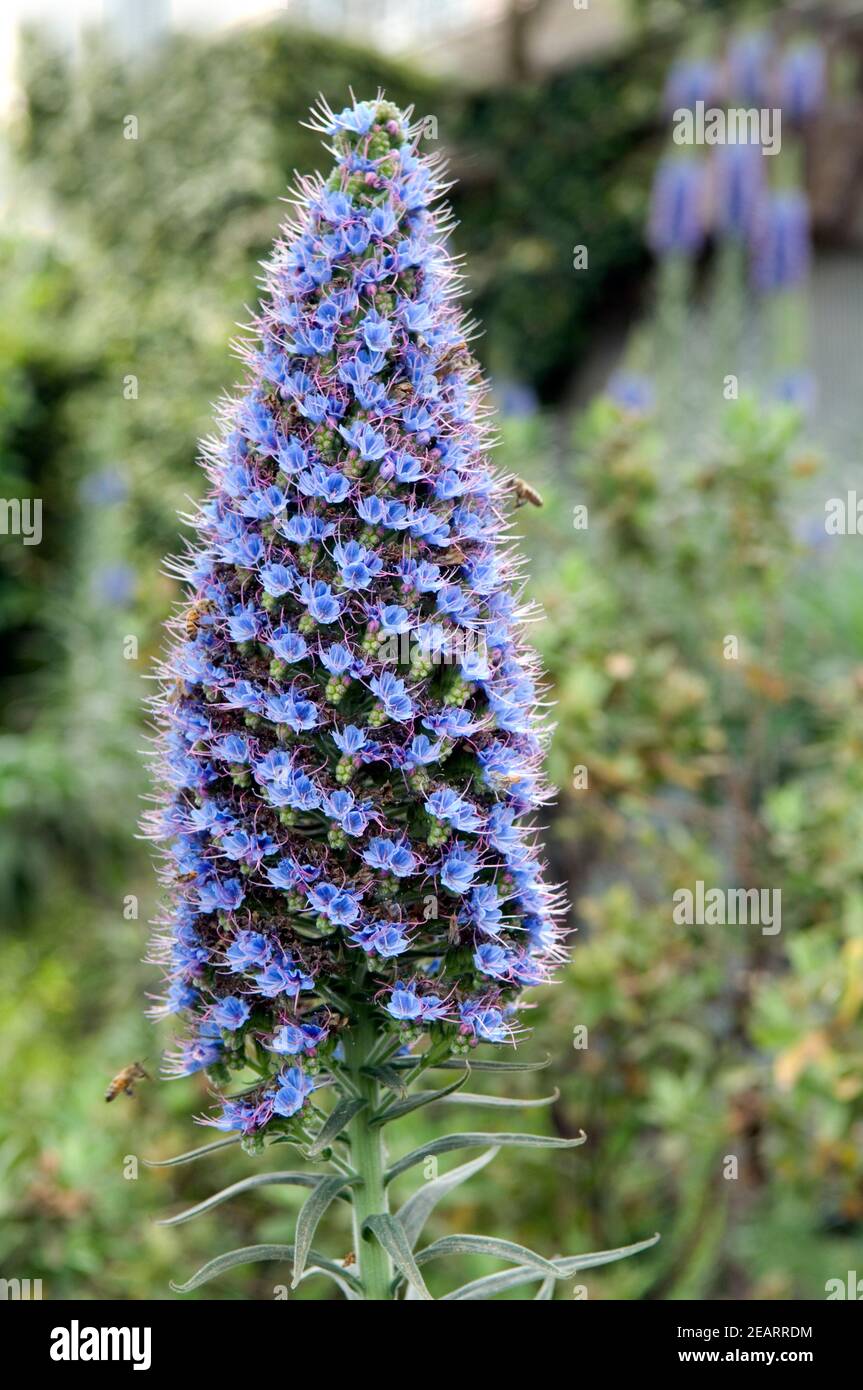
column 282, row 976
column 369, row 443
column 393, row 619
column 288, row 645
column 377, row 332
column 802, row 81
column 341, row 806
column 422, row 752
column 277, row 580
column 217, row 896
column 404, row 1005
column 339, row 906
column 243, row 624
column 337, row 659
column 327, row 483
column 459, row 869
column 384, row 939
column 294, row 1087
column 393, row 856
column 447, row 805
column 249, row 950
column 781, row 244
column 486, row 1024
column 291, row 1039
column 491, row 959
column 359, row 118
column 233, row 748
column 230, row 1013
column 358, row 566
column 351, row 740
column 288, row 709
column 393, row 697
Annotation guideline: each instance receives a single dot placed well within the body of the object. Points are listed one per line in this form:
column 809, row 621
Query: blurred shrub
column 737, row 766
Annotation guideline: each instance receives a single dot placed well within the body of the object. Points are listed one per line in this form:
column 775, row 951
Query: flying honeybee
column 194, row 615
column 125, row 1080
column 525, row 493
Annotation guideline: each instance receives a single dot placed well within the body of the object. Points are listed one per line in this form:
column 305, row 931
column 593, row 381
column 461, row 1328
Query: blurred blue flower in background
column 689, row 81
column 515, row 399
column 632, row 391
column 114, row 585
column 677, row 207
column 739, row 188
column 749, row 56
column 798, row 388
column 781, row 245
column 802, row 81
column 105, row 488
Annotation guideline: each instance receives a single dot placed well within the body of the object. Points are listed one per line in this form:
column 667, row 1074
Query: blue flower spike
column 348, row 749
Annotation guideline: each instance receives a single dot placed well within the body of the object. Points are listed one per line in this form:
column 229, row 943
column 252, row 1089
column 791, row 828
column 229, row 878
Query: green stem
column 367, row 1156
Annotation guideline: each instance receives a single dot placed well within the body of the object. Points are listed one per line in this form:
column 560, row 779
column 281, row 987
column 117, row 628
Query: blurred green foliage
column 736, row 765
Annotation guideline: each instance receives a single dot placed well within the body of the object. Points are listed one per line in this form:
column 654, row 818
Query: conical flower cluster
column 348, row 738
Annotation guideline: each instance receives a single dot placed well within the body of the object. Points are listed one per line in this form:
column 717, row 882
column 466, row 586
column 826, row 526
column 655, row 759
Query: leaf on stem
column 390, row 1233
column 414, row 1213
column 479, row 1140
column 313, row 1208
column 192, row 1154
column 388, row 1077
column 487, row 1245
column 341, row 1115
column 245, row 1185
column 526, row 1274
column 471, row 1064
column 253, row 1254
column 504, row 1102
column 349, row 1292
column 398, row 1108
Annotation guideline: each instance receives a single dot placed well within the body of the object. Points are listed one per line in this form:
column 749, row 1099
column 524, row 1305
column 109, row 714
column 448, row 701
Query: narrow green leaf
column 479, row 1140
column 387, row 1076
column 192, row 1154
column 252, row 1254
column 390, row 1233
column 504, row 1102
column 525, row 1274
column 545, row 1292
column 471, row 1064
column 313, row 1208
column 349, row 1292
column 571, row 1264
column 490, row 1284
column 486, row 1245
column 416, row 1210
column 419, row 1098
column 245, row 1185
column 341, row 1115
